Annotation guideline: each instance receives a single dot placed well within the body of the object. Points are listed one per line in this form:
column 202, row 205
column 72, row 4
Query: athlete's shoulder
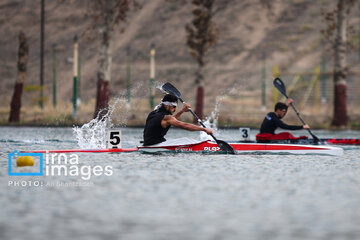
column 168, row 117
column 270, row 116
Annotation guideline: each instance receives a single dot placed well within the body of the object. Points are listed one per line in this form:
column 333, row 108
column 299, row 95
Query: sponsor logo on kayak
column 212, row 149
column 182, row 149
column 53, row 164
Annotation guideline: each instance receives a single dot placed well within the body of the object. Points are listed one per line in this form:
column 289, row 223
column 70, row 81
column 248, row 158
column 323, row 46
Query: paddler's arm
column 171, row 120
column 288, row 103
column 283, row 125
column 185, row 108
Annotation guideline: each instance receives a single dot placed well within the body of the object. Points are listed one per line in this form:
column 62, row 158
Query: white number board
column 245, row 134
column 114, row 138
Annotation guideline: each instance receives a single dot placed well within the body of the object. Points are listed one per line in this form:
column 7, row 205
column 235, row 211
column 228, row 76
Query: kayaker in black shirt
column 160, row 120
column 272, row 122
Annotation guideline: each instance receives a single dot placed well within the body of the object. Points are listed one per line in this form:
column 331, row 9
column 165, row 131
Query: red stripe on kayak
column 209, row 146
column 84, row 150
column 346, row 141
column 202, row 146
column 268, row 147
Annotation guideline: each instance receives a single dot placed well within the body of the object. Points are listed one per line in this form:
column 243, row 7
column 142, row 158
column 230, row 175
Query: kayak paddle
column 224, row 146
column 281, row 87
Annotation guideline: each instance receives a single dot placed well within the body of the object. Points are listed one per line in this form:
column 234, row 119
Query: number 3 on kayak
column 245, row 134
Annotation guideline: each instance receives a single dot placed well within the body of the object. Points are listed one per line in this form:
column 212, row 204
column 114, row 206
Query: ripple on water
column 201, row 196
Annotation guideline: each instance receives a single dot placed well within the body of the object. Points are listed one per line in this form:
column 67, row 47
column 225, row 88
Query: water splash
column 93, row 134
column 159, row 85
column 212, row 120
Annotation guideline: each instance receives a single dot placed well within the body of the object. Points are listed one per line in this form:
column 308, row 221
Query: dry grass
column 244, row 110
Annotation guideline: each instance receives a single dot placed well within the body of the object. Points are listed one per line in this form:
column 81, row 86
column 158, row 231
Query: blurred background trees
column 107, row 16
column 233, row 50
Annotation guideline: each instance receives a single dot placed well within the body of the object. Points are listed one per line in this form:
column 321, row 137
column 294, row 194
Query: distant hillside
column 288, row 35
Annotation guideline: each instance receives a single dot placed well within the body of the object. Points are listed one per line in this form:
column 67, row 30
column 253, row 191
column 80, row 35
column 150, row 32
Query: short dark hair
column 281, row 106
column 169, row 98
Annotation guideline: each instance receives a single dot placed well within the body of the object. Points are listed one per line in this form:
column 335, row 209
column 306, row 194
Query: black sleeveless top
column 153, row 132
column 271, row 122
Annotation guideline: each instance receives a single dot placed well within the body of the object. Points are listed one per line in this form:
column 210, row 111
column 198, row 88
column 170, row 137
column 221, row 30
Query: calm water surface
column 181, row 195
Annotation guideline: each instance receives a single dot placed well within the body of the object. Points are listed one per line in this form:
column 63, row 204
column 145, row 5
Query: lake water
column 180, row 195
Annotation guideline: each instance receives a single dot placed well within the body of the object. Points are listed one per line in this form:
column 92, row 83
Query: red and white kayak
column 255, row 148
column 322, row 141
column 189, row 145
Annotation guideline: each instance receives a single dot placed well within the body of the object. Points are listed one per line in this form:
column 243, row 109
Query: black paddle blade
column 316, row 139
column 280, row 86
column 169, row 88
column 225, row 147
